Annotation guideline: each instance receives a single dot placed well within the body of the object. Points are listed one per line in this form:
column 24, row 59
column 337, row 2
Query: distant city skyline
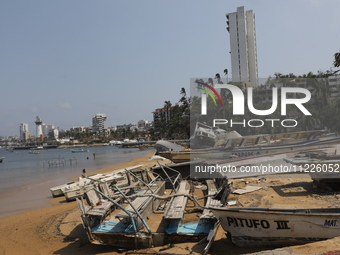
column 67, row 60
column 97, row 121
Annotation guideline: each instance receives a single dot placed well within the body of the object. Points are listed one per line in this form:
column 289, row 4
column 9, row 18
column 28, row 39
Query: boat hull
column 79, row 150
column 224, row 154
column 323, row 170
column 278, row 227
column 88, row 184
column 113, row 232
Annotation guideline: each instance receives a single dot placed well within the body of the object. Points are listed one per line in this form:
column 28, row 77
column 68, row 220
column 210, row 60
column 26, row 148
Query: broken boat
column 72, row 190
column 107, row 221
column 255, row 145
column 150, row 211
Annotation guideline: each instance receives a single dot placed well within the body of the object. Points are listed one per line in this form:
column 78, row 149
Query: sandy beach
column 57, row 229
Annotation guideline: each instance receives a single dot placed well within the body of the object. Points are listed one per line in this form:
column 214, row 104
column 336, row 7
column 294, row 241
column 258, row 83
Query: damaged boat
column 118, row 225
column 151, row 211
column 72, row 190
column 253, row 146
column 118, row 215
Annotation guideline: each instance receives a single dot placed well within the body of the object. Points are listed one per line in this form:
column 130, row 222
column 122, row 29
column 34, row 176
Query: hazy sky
column 68, row 60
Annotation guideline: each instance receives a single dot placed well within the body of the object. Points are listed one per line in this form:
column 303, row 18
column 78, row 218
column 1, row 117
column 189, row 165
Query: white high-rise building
column 46, row 128
column 23, row 130
column 99, row 123
column 53, row 133
column 241, row 27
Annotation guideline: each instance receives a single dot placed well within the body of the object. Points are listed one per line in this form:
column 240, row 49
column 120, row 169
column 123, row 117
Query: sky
column 66, row 61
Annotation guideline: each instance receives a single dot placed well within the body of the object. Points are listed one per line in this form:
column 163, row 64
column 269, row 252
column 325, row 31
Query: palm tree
column 226, row 73
column 337, row 59
column 210, row 82
column 183, row 92
column 218, row 77
column 167, row 104
column 321, row 92
column 184, row 100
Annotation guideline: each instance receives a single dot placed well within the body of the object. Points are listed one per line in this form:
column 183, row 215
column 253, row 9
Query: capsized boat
column 278, row 227
column 164, row 146
column 205, row 136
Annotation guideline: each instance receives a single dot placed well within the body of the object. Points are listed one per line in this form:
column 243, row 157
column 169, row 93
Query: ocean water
column 25, row 178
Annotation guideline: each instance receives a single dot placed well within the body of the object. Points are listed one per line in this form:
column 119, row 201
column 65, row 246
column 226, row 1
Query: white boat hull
column 71, row 194
column 79, row 150
column 320, row 170
column 59, row 190
column 74, row 189
column 244, row 152
column 278, row 227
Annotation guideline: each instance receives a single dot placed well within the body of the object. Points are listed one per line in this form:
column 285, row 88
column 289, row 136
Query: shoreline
column 57, row 228
column 37, row 231
column 136, row 161
column 36, row 193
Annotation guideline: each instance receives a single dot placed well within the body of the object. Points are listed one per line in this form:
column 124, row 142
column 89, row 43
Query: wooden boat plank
column 211, row 187
column 210, row 201
column 177, row 204
column 139, row 202
column 100, row 210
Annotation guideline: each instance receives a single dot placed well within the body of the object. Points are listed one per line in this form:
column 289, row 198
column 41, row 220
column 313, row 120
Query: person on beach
column 94, row 155
column 84, row 173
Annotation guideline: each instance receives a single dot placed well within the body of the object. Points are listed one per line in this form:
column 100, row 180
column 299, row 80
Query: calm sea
column 25, row 178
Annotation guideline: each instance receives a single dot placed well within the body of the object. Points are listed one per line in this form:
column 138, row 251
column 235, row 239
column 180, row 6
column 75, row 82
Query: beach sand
column 58, row 230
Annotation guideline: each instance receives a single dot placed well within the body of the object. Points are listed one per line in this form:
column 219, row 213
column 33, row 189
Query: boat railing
column 120, row 206
column 148, row 185
column 142, row 206
column 174, row 179
column 135, row 210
